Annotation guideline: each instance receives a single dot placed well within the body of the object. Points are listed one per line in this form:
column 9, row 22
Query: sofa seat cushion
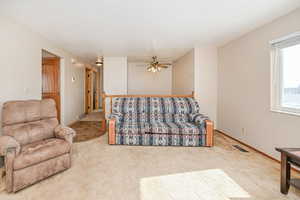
column 154, row 117
column 130, row 127
column 37, row 152
column 172, row 128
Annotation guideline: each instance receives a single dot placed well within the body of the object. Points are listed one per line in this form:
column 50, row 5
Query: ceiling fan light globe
column 99, row 61
column 99, row 64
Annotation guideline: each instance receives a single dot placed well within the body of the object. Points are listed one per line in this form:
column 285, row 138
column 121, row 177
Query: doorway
column 91, row 125
column 92, row 91
column 51, row 79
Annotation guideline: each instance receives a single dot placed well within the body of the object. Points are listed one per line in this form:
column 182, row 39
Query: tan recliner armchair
column 33, row 143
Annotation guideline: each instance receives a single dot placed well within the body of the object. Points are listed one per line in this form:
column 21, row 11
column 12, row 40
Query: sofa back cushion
column 135, row 117
column 29, row 121
column 171, row 105
column 129, row 105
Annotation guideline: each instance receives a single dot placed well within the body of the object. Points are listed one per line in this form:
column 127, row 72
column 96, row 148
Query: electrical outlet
column 26, row 90
column 243, row 131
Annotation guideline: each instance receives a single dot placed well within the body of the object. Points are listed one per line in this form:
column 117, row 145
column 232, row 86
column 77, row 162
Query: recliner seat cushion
column 40, row 151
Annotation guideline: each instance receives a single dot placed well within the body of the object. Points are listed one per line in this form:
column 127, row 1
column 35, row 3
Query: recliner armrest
column 64, row 132
column 7, row 144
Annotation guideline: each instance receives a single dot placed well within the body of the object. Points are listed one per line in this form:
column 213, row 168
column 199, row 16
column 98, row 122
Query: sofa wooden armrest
column 209, row 133
column 112, row 131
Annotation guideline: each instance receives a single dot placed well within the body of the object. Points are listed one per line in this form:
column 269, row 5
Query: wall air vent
column 240, row 148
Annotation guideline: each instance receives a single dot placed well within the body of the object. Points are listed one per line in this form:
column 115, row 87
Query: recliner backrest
column 29, row 121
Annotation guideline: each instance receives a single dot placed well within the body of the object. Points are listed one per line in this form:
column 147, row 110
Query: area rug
column 87, row 130
column 93, row 116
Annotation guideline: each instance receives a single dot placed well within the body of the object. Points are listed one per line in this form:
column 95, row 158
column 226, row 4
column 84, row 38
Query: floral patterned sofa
column 158, row 121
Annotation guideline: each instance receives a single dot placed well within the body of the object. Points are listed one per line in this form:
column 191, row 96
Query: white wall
column 197, row 71
column 74, row 92
column 20, row 77
column 206, row 80
column 115, row 75
column 140, row 81
column 183, row 74
column 244, row 90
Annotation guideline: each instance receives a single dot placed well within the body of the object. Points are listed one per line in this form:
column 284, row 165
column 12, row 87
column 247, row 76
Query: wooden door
column 97, row 89
column 91, row 89
column 88, row 90
column 51, row 81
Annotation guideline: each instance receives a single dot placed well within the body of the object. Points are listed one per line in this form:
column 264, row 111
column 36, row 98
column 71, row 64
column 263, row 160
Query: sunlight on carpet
column 212, row 184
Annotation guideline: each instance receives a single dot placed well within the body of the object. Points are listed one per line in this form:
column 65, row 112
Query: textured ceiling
column 142, row 28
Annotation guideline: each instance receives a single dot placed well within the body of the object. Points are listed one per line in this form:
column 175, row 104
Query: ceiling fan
column 155, row 66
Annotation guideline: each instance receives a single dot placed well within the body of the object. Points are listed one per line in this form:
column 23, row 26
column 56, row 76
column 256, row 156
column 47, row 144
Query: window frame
column 277, row 73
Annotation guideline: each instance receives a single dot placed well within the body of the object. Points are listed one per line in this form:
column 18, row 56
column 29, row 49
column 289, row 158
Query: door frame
column 97, row 100
column 89, row 85
column 60, row 65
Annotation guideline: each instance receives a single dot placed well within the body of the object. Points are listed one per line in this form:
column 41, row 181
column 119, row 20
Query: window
column 285, row 59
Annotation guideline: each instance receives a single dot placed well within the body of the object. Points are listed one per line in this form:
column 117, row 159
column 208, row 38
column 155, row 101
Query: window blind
column 287, row 41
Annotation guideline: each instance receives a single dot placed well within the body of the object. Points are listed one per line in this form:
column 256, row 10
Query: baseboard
column 72, row 123
column 81, row 116
column 254, row 149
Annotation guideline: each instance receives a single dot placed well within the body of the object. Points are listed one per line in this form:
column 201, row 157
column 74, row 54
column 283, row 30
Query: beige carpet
column 106, row 172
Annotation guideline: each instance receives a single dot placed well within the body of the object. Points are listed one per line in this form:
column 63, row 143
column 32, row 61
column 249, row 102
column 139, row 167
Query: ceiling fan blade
column 141, row 65
column 164, row 64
